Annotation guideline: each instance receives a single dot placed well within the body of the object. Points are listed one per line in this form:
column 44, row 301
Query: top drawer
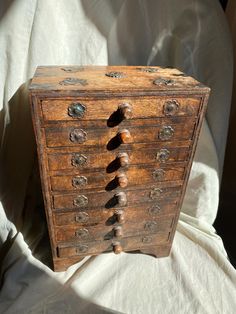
column 116, row 108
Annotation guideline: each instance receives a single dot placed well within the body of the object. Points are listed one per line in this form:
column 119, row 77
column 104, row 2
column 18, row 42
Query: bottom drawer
column 126, row 244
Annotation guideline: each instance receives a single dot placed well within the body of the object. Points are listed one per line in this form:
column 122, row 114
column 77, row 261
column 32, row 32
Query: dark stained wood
column 115, row 147
column 109, row 138
column 109, row 216
column 110, row 181
column 85, row 233
column 106, row 109
column 130, row 243
column 138, row 155
column 108, row 199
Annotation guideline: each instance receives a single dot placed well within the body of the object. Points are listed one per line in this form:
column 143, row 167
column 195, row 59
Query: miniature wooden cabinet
column 115, row 148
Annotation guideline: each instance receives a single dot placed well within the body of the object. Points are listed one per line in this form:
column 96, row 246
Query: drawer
column 103, row 232
column 116, row 199
column 113, row 108
column 112, row 216
column 158, row 153
column 93, row 248
column 111, row 138
column 133, row 176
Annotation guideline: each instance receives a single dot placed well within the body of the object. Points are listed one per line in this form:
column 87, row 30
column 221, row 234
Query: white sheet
column 191, row 35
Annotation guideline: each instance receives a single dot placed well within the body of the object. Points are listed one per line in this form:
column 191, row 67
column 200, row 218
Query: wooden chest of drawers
column 115, row 147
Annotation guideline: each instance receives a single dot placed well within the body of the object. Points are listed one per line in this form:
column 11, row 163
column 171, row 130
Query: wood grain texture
column 115, row 147
column 109, row 181
column 109, row 216
column 138, row 155
column 106, row 109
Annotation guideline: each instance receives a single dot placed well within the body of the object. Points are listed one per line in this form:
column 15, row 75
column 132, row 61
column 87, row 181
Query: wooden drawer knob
column 123, row 159
column 122, row 180
column 124, row 136
column 118, row 232
column 121, row 198
column 117, row 248
column 120, row 217
column 126, row 111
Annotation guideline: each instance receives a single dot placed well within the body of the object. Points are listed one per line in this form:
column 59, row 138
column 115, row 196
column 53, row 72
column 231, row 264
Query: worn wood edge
column 41, row 153
column 202, row 111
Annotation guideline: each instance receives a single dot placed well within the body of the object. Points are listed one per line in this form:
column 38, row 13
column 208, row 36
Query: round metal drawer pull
column 171, row 107
column 80, row 201
column 82, row 217
column 117, row 248
column 154, row 210
column 79, row 181
column 76, row 110
column 150, row 226
column 155, row 193
column 158, row 174
column 81, row 249
column 163, row 155
column 78, row 160
column 78, row 136
column 147, row 239
column 166, row 133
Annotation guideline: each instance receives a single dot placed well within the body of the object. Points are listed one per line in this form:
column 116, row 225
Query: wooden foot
column 156, row 251
column 61, row 264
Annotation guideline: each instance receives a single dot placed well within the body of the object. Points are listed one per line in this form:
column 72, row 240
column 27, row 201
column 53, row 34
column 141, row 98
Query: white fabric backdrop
column 189, row 34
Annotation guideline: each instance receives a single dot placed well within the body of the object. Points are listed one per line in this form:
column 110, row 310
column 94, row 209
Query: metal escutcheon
column 155, row 193
column 80, row 201
column 115, row 74
column 162, row 81
column 147, row 239
column 163, row 155
column 154, row 210
column 78, row 160
column 76, row 110
column 166, row 133
column 79, row 181
column 82, row 217
column 171, row 107
column 150, row 226
column 78, row 136
column 82, row 234
column 81, row 249
column 73, row 81
column 158, row 174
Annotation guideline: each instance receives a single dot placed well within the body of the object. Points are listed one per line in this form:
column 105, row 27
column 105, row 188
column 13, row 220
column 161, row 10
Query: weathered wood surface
column 115, row 148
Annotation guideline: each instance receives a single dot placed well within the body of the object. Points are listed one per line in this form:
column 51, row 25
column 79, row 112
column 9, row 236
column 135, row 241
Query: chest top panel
column 113, row 79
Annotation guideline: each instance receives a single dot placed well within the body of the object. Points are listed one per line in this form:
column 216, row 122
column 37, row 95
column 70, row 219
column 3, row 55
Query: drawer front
column 118, row 199
column 131, row 243
column 85, row 160
column 112, row 216
column 110, row 139
column 93, row 109
column 134, row 176
column 103, row 232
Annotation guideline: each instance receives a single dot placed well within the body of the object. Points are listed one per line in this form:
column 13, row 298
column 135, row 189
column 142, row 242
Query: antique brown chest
column 115, row 148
